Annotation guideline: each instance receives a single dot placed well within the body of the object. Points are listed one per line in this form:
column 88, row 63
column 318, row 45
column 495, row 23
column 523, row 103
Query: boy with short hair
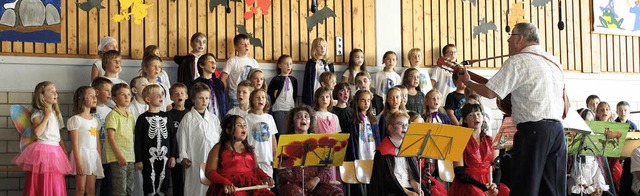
column 111, row 61
column 120, row 152
column 238, row 67
column 178, row 92
column 155, row 147
column 244, row 90
column 138, row 106
column 592, row 102
column 103, row 95
column 622, row 109
column 455, row 100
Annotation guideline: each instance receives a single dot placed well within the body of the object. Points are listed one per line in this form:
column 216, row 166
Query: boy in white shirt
column 237, row 67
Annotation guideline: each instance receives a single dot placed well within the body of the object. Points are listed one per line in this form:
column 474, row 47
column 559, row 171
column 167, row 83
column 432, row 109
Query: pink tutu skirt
column 40, row 158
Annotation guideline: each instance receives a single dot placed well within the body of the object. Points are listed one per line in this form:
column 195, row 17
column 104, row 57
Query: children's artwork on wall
column 319, row 17
column 138, row 11
column 215, row 3
column 264, row 6
column 616, row 17
column 90, row 4
column 484, row 27
column 252, row 40
column 30, row 20
column 539, row 3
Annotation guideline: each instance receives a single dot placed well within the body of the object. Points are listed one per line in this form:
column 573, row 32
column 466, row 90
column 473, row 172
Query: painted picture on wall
column 616, row 17
column 30, row 20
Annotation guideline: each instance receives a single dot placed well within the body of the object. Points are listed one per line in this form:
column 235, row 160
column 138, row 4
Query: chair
column 203, row 176
column 347, row 173
column 445, row 169
column 363, row 170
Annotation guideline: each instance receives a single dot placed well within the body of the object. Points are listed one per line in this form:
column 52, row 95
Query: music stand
column 434, row 141
column 308, row 150
column 632, row 142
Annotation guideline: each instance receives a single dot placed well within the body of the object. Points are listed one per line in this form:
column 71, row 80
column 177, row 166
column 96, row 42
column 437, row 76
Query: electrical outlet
column 339, row 46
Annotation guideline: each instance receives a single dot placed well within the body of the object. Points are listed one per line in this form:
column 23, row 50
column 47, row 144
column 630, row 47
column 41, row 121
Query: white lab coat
column 196, row 137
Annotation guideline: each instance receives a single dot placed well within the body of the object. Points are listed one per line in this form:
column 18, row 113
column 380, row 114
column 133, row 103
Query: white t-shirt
column 136, row 108
column 444, row 82
column 262, row 129
column 237, row 111
column 366, row 144
column 384, row 81
column 320, row 68
column 115, row 81
column 238, row 70
column 401, row 171
column 51, row 134
column 285, row 100
column 102, row 111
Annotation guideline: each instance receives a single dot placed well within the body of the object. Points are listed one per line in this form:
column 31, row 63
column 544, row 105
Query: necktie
column 434, row 117
column 213, row 96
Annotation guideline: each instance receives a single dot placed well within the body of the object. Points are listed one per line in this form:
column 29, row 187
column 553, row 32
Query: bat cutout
column 252, row 40
column 215, row 3
column 90, row 4
column 319, row 17
column 539, row 3
column 473, row 2
column 484, row 27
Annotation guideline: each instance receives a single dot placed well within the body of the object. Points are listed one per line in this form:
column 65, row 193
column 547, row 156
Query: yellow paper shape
column 516, row 14
column 632, row 142
column 322, row 150
column 437, row 141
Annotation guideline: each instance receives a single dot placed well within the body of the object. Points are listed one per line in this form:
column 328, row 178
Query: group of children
column 142, row 135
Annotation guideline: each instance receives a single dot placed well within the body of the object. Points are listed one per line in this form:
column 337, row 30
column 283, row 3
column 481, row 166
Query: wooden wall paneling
column 6, row 46
column 93, row 32
column 347, row 28
column 114, row 27
column 612, row 60
column 267, row 35
column 138, row 35
column 220, row 37
column 191, row 22
column 339, row 31
column 630, row 54
column 173, row 35
column 623, row 54
column 419, row 29
column 451, row 24
column 464, row 48
column 38, row 48
column 587, row 39
column 276, row 20
column 407, row 30
column 183, row 34
column 304, row 32
column 103, row 24
column 330, row 36
column 295, row 29
column 163, row 29
column 506, row 5
column 357, row 18
column 202, row 8
column 636, row 57
column 287, row 24
column 322, row 28
column 125, row 38
column 370, row 34
column 482, row 38
column 210, row 28
column 496, row 39
column 489, row 37
column 258, row 22
column 553, row 15
column 567, row 36
column 460, row 29
column 474, row 44
column 231, row 30
column 435, row 33
column 72, row 25
column 151, row 27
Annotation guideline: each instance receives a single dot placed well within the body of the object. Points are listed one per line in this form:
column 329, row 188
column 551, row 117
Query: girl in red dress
column 232, row 164
column 472, row 172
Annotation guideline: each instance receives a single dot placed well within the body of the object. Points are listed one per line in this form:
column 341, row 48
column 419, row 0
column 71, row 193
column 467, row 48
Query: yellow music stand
column 632, row 142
